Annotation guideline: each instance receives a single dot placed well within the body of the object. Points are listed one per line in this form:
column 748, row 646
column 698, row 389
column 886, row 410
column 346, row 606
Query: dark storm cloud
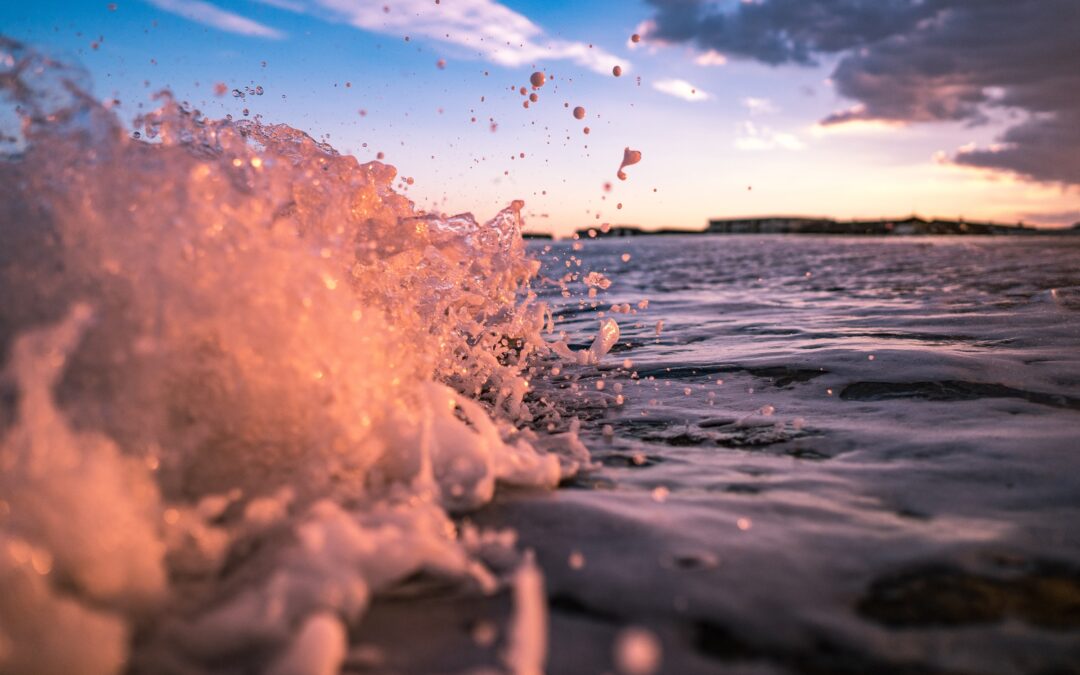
column 920, row 61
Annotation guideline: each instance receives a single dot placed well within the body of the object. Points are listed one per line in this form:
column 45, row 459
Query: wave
column 246, row 385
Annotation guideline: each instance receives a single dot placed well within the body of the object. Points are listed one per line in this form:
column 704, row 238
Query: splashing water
column 245, row 384
column 630, row 157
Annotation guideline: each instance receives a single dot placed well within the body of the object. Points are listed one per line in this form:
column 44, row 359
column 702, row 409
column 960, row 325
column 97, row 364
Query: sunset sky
column 842, row 108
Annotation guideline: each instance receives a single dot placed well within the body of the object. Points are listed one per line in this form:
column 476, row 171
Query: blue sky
column 747, row 141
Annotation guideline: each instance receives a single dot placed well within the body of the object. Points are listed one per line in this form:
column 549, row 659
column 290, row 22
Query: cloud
column 754, row 137
column 710, row 58
column 215, row 17
column 919, row 61
column 481, row 27
column 681, row 89
column 857, row 127
column 759, row 106
column 1045, row 147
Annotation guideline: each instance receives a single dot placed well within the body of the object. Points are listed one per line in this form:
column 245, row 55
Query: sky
column 842, row 108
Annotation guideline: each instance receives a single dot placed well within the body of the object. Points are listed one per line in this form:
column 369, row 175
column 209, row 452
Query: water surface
column 837, row 455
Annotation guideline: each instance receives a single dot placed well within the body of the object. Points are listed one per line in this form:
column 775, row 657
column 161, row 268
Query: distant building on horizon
column 912, row 225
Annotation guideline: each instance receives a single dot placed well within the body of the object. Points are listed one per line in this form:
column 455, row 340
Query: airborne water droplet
column 630, row 157
column 538, row 79
column 579, row 113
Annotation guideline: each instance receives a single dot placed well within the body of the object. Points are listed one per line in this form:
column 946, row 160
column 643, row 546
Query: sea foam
column 245, row 386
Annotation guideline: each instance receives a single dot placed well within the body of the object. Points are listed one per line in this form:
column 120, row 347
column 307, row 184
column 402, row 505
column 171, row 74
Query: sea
column 260, row 413
column 836, row 455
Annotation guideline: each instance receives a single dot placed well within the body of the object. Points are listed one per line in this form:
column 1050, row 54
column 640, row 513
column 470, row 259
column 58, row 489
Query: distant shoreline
column 909, row 226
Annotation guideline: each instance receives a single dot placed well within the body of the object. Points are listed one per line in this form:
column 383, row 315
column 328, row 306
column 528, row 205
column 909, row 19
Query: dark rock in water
column 743, row 489
column 950, row 390
column 584, row 481
column 807, row 453
column 821, row 656
column 720, row 642
column 1047, row 596
column 783, row 376
column 717, row 422
column 570, row 604
column 685, row 439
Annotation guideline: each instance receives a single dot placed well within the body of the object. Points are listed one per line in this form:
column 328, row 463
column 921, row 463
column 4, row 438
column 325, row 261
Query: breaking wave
column 246, row 384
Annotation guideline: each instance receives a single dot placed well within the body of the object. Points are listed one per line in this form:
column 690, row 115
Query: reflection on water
column 866, row 451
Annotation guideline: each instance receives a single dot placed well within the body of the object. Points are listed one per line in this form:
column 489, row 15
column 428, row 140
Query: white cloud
column 710, row 58
column 482, row 27
column 681, row 89
column 856, row 127
column 754, row 137
column 759, row 106
column 215, row 17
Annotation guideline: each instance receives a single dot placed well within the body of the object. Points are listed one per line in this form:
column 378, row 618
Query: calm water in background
column 838, row 455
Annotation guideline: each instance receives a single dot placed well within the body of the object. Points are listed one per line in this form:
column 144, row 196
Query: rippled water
column 838, row 455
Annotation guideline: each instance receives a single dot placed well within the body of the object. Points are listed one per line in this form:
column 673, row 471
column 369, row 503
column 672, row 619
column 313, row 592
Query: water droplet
column 537, row 79
column 617, row 71
column 576, row 561
column 637, row 651
column 579, row 113
column 630, row 157
column 635, row 38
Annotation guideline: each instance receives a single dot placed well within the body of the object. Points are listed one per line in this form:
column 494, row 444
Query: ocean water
column 836, row 455
column 260, row 413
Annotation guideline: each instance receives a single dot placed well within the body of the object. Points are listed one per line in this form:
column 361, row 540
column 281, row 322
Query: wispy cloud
column 710, row 58
column 215, row 17
column 759, row 106
column 754, row 137
column 482, row 27
column 856, row 127
column 681, row 89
